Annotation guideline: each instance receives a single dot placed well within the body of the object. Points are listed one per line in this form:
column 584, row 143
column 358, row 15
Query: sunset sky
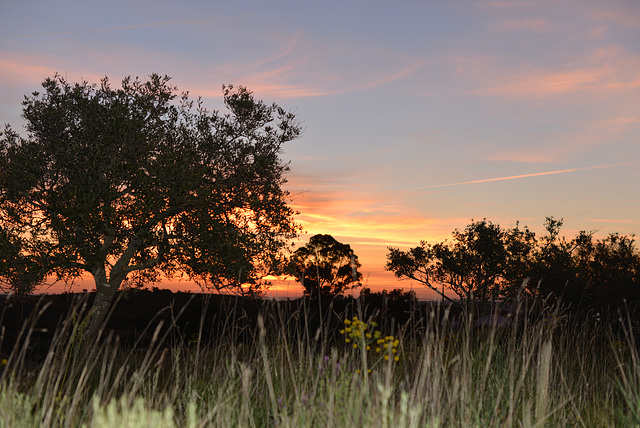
column 419, row 115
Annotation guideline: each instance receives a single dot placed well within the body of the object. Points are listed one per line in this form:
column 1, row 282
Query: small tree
column 134, row 183
column 325, row 267
column 472, row 265
column 553, row 273
column 585, row 270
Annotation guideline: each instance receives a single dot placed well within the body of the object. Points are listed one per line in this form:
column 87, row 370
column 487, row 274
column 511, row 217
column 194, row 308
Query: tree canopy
column 137, row 182
column 325, row 267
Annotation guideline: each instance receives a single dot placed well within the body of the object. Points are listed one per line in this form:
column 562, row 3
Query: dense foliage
column 135, row 182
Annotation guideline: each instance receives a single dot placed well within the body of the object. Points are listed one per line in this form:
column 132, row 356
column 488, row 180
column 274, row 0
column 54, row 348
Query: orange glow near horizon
column 280, row 289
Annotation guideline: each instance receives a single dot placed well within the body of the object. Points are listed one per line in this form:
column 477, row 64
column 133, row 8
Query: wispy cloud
column 293, row 66
column 102, row 30
column 300, row 68
column 514, row 177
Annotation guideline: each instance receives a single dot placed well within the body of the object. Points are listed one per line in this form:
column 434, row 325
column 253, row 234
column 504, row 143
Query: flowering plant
column 364, row 339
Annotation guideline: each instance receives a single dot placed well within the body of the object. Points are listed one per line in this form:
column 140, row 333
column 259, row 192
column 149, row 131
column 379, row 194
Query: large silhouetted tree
column 325, row 267
column 137, row 182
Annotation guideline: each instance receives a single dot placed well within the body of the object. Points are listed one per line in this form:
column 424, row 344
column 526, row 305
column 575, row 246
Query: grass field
column 545, row 370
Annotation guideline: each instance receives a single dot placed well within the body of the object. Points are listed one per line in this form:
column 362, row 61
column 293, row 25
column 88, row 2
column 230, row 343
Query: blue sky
column 419, row 115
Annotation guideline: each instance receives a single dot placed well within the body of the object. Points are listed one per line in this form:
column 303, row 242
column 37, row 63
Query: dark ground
column 185, row 316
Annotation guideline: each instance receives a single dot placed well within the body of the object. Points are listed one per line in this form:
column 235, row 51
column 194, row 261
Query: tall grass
column 293, row 369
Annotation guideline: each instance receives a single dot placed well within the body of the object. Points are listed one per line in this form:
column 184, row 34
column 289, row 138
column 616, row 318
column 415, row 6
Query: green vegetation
column 545, row 370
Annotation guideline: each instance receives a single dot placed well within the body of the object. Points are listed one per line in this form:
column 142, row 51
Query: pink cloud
column 22, row 69
column 541, row 83
column 607, row 70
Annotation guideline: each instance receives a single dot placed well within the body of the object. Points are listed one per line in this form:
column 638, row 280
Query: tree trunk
column 106, row 290
column 95, row 320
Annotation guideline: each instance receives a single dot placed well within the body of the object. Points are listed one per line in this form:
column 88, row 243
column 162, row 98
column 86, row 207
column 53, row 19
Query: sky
column 418, row 116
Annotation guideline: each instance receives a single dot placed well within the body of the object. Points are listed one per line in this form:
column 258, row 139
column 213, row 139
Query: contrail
column 513, row 177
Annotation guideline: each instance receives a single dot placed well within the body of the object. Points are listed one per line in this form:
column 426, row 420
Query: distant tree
column 553, row 273
column 472, row 265
column 135, row 182
column 585, row 270
column 325, row 267
column 395, row 297
column 397, row 305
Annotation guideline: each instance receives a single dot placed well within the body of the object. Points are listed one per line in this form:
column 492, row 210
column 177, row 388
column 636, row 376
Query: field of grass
column 290, row 369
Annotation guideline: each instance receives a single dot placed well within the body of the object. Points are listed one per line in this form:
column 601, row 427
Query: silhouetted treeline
column 485, row 264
